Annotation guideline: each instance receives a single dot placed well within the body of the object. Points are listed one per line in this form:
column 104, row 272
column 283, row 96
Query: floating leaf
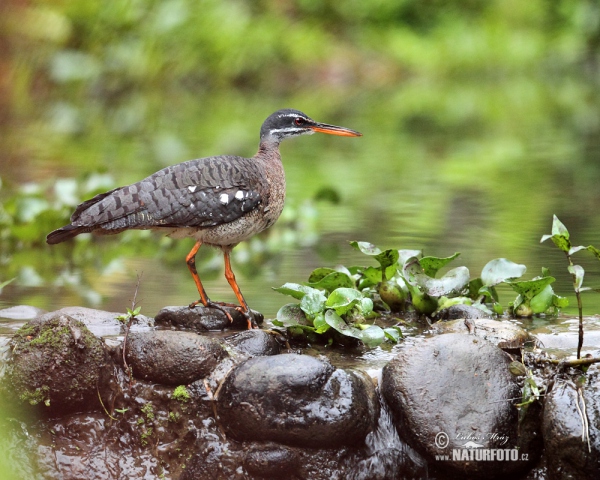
column 295, row 290
column 290, row 315
column 370, row 276
column 431, row 265
column 332, row 281
column 321, row 326
column 453, row 282
column 313, row 303
column 343, row 299
column 530, row 288
column 404, row 255
column 338, row 323
column 542, row 301
column 366, row 248
column 373, row 336
column 393, row 333
column 499, row 270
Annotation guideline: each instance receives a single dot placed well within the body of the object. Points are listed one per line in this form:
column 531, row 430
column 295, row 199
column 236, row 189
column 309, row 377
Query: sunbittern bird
column 219, row 201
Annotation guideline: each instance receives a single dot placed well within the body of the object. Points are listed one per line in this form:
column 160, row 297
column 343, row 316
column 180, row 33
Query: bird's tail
column 65, row 233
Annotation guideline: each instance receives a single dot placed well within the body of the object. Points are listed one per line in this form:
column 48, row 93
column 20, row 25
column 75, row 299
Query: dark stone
column 271, row 461
column 202, row 318
column 99, row 322
column 566, row 452
column 459, row 385
column 58, row 363
column 455, row 312
column 255, row 343
column 297, row 400
column 172, row 358
column 503, row 334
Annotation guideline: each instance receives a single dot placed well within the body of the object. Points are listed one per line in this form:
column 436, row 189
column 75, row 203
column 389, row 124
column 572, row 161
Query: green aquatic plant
column 562, row 239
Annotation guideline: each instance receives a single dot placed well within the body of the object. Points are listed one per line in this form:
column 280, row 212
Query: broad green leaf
column 370, row 276
column 295, row 290
column 404, row 255
column 474, row 285
column 499, row 270
column 313, row 303
column 366, row 305
column 453, row 282
column 366, row 248
column 336, row 322
column 490, row 293
column 319, row 274
column 497, row 308
column 431, row 265
column 422, row 302
column 332, row 281
column 530, row 288
column 578, row 272
column 560, row 302
column 343, row 299
column 290, row 315
column 388, row 260
column 321, row 326
column 542, row 301
column 373, row 336
column 393, row 333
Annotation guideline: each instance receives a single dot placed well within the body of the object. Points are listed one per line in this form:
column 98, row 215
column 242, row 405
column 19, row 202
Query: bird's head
column 289, row 123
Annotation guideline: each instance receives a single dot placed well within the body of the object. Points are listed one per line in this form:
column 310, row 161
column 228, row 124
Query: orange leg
column 191, row 263
column 230, row 276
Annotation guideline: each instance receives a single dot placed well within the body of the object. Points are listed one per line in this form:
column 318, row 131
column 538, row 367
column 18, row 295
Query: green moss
column 36, row 396
column 174, row 417
column 145, row 436
column 181, row 394
column 148, row 410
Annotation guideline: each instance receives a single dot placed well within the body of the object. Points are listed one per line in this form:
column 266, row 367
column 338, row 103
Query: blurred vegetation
column 480, row 122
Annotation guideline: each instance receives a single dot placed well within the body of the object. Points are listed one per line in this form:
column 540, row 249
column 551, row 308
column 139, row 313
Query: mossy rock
column 58, row 363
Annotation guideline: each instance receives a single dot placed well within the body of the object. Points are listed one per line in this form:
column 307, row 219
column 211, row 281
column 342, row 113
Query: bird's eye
column 299, row 121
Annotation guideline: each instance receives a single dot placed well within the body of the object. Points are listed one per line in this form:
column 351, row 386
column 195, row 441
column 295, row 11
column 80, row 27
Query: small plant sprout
column 561, row 238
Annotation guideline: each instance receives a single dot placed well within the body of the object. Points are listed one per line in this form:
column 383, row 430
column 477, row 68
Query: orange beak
column 334, row 130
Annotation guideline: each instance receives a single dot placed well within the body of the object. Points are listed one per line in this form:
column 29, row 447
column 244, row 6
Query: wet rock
column 455, row 312
column 505, row 334
column 172, row 358
column 450, row 392
column 202, row 318
column 297, row 400
column 99, row 322
column 255, row 343
column 566, row 451
column 21, row 312
column 271, row 461
column 58, row 363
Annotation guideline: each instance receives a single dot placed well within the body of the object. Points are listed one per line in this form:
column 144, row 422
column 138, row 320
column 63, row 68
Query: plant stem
column 579, row 306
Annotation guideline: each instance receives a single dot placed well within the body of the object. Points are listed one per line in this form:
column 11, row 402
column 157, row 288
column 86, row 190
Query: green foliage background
column 480, row 121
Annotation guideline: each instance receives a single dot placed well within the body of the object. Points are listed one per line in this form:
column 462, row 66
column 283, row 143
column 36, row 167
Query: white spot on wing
column 239, row 194
column 224, row 198
column 192, row 188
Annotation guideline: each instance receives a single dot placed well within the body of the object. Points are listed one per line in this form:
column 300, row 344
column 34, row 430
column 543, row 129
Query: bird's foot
column 218, row 305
